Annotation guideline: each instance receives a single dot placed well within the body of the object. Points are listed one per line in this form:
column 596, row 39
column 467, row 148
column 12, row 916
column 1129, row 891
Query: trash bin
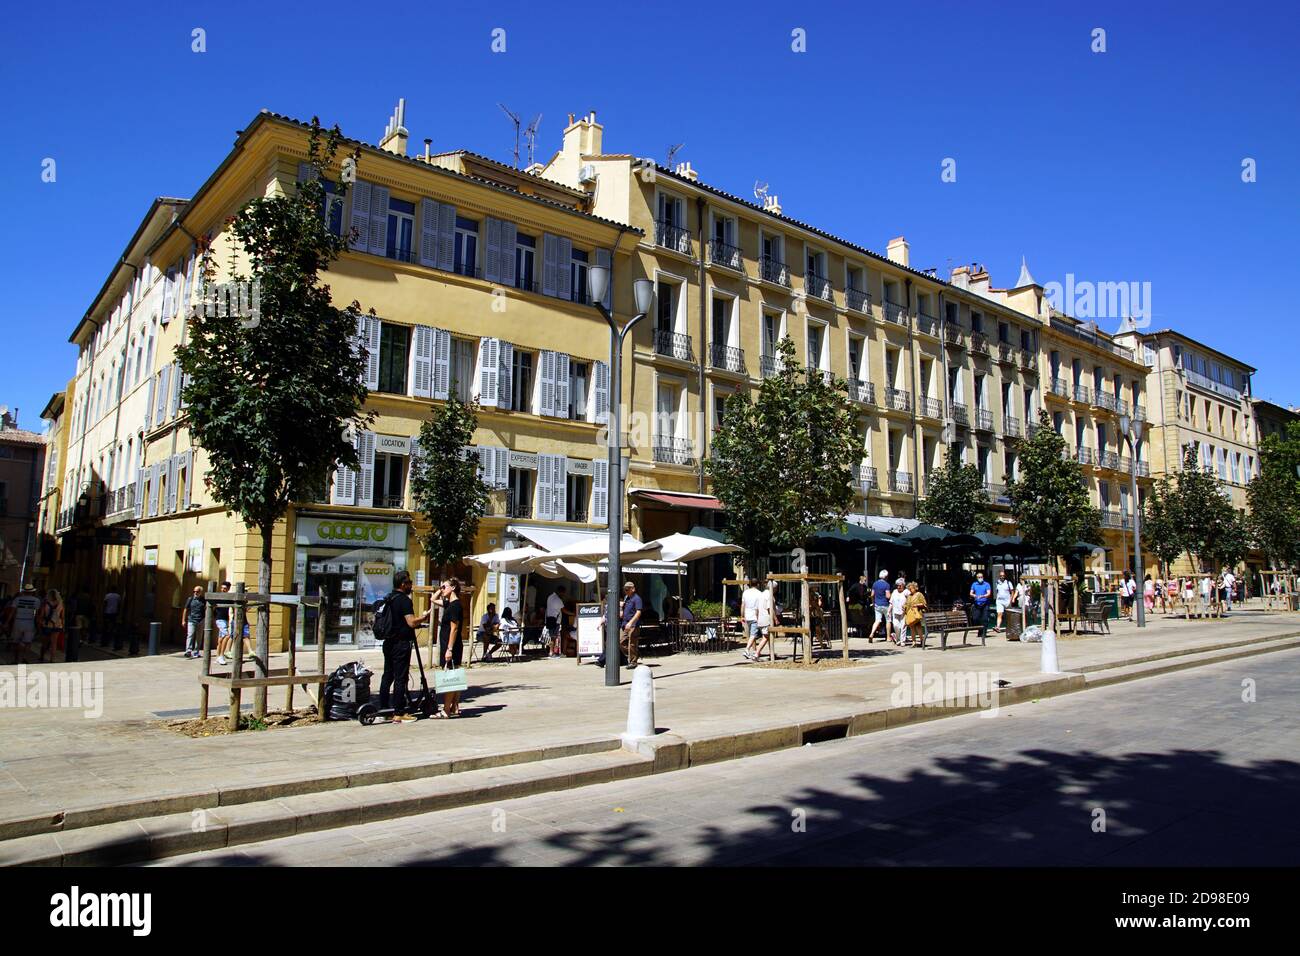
column 1014, row 620
column 347, row 688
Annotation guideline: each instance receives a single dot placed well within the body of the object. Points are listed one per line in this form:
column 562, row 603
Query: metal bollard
column 155, row 637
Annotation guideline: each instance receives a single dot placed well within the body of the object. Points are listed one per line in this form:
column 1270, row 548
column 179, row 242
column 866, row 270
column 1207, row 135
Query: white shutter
column 602, row 259
column 148, row 405
column 509, row 239
column 502, row 467
column 140, row 474
column 366, row 453
column 154, row 472
column 189, row 283
column 505, row 375
column 175, row 404
column 428, row 233
column 360, row 216
column 421, row 373
column 600, row 388
column 160, row 399
column 446, row 237
column 173, row 468
column 559, row 489
column 378, row 220
column 488, row 357
column 600, row 491
column 413, row 463
column 492, row 261
column 374, row 329
column 546, row 383
column 441, row 372
column 187, row 463
column 561, row 385
column 169, row 296
column 550, row 264
column 563, row 287
column 544, row 490
column 486, row 463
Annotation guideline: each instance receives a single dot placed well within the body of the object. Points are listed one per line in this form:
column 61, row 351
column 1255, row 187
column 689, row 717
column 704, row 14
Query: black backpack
column 384, row 625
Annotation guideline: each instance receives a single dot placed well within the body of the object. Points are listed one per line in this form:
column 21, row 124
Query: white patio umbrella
column 691, row 547
column 594, row 551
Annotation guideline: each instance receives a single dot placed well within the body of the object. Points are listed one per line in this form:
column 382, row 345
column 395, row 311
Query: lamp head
column 644, row 291
column 1126, row 425
column 597, row 282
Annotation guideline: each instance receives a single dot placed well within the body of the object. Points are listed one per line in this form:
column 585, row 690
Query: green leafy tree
column 270, row 397
column 1161, row 525
column 1050, row 501
column 955, row 498
column 1274, row 498
column 1210, row 525
column 445, row 483
column 783, row 464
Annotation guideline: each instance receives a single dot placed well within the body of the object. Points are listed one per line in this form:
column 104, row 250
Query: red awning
column 704, row 502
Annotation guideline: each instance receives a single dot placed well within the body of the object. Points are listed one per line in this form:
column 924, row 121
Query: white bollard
column 641, row 706
column 1047, row 662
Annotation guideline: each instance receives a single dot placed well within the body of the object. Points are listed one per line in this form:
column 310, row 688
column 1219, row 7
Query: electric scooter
column 421, row 704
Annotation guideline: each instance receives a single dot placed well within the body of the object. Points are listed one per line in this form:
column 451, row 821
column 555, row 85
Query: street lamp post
column 1129, row 428
column 598, row 282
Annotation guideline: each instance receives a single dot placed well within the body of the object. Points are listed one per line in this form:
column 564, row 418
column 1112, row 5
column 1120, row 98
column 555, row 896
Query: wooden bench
column 1094, row 615
column 948, row 622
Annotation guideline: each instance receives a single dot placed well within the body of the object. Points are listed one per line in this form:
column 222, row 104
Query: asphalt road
column 1176, row 770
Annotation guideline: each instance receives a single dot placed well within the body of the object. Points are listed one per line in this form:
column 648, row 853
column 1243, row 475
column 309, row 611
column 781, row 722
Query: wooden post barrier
column 237, row 665
column 206, row 669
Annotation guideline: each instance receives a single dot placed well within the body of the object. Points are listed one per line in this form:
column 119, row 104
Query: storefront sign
column 523, row 459
column 574, row 466
column 348, row 532
column 151, row 557
column 591, row 642
column 393, row 445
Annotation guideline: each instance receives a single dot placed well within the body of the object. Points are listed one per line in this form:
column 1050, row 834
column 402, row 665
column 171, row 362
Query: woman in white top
column 897, row 607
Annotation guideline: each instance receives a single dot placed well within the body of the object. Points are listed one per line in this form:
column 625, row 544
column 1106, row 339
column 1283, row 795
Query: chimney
column 772, row 204
column 395, row 134
column 684, row 170
column 979, row 280
column 583, row 137
column 898, row 251
column 961, row 277
column 427, row 144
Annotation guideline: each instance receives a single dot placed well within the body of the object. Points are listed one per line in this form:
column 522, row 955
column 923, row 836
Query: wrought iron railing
column 955, row 336
column 857, row 300
column 1103, row 400
column 728, row 358
column 768, row 366
column 774, row 270
column 929, row 407
column 960, row 413
column 1108, row 459
column 861, row 391
column 895, row 313
column 984, row 419
column 674, row 345
column 518, row 506
column 817, row 285
column 1085, row 455
column 979, row 344
column 727, row 255
column 673, row 451
column 867, row 478
column 1011, row 426
column 672, row 236
column 1082, row 393
column 1006, row 353
column 1029, row 361
column 927, row 324
column 1060, row 387
column 900, row 482
column 898, row 399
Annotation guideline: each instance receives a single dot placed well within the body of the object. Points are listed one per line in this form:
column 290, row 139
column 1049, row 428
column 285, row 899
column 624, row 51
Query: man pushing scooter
column 398, row 640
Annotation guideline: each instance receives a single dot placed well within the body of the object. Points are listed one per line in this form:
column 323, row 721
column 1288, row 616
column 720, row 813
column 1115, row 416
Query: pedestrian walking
column 880, row 605
column 49, row 624
column 554, row 619
column 23, row 610
column 914, row 612
column 1149, row 594
column 1002, row 597
column 631, row 623
column 766, row 616
column 980, row 590
column 1229, row 582
column 112, row 607
column 897, row 611
column 192, row 622
column 749, row 599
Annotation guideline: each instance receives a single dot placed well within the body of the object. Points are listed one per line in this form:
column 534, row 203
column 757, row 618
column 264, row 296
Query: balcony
column 955, row 336
column 1114, row 518
column 1210, row 385
column 768, row 366
column 895, row 313
column 1083, row 394
column 673, row 451
column 979, row 345
column 1092, row 338
column 1029, row 361
column 983, row 420
column 927, row 324
column 929, row 407
column 1085, row 455
column 1011, row 426
column 726, row 358
column 817, row 285
column 1032, row 428
column 518, row 506
column 1006, row 353
column 1060, row 387
column 1121, row 405
column 900, row 482
column 672, row 236
column 1103, row 400
column 900, row 400
column 857, row 300
column 1108, row 459
column 997, row 494
column 773, row 270
column 121, row 502
column 860, row 391
column 1140, row 413
column 577, row 514
column 726, row 255
column 867, row 478
column 673, row 345
column 960, row 413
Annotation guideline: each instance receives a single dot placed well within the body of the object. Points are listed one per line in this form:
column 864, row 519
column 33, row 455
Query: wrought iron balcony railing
column 979, row 344
column 955, row 336
column 817, row 285
column 768, row 366
column 1029, row 361
column 857, row 300
column 726, row 255
column 728, row 358
column 1108, row 459
column 518, row 506
column 1083, row 394
column 895, row 313
column 1103, row 400
column 867, row 478
column 898, row 399
column 1011, row 426
column 960, row 413
column 672, row 236
column 900, row 482
column 774, row 270
column 983, row 420
column 673, row 345
column 673, row 451
column 927, row 324
column 861, row 391
column 929, row 407
column 1060, row 387
column 1006, row 353
column 1085, row 455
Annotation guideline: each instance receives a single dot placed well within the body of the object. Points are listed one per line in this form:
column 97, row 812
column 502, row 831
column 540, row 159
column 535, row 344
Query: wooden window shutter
column 564, row 285
column 148, row 405
column 421, row 374
column 446, row 237
column 374, row 332
column 366, row 454
column 441, row 381
column 502, row 466
column 505, row 375
column 600, row 390
column 600, row 491
column 429, row 233
column 492, row 260
column 546, row 382
column 550, row 264
column 543, row 510
column 378, row 220
column 488, row 359
column 509, row 239
column 559, row 487
column 188, row 466
column 561, row 385
column 360, row 222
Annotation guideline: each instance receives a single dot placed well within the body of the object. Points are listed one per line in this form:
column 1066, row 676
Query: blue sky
column 1117, row 166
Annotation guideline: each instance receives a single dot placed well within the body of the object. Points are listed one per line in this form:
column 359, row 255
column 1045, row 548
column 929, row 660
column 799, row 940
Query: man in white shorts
column 24, row 608
column 749, row 600
column 1002, row 594
column 765, row 619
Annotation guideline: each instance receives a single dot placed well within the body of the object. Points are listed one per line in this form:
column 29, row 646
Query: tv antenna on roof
column 672, row 151
column 514, row 118
column 530, row 134
column 760, row 191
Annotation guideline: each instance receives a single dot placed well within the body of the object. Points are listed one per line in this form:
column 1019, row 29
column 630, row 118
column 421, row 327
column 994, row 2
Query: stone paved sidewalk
column 52, row 760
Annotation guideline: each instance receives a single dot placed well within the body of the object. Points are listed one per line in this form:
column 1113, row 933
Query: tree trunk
column 263, row 649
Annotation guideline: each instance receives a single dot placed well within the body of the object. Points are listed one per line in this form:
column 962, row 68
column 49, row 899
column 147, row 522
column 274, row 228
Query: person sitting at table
column 685, row 613
column 510, row 631
column 489, row 627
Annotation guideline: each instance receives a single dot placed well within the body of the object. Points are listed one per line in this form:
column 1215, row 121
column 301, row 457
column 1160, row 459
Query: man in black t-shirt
column 452, row 619
column 397, row 647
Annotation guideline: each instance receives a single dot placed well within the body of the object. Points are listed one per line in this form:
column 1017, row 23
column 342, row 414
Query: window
column 666, row 307
column 771, row 332
column 333, row 210
column 816, row 338
column 394, row 346
column 520, row 492
column 462, row 368
column 579, row 377
column 401, row 227
column 1004, row 333
column 772, row 248
column 578, row 276
column 577, row 491
column 976, row 321
column 719, row 407
column 390, row 481
column 521, row 394
column 525, row 254
column 856, row 351
column 465, row 261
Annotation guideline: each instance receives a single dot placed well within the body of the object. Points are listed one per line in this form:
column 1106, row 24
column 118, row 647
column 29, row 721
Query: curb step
column 1101, row 677
column 1244, row 646
column 153, row 838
